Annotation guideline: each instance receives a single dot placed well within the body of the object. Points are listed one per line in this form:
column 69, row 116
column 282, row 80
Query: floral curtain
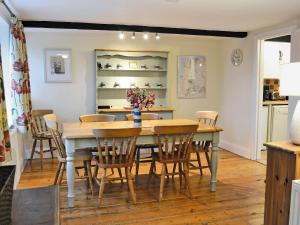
column 4, row 132
column 20, row 84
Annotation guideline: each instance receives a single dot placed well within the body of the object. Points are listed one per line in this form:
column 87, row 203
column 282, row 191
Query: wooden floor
column 239, row 198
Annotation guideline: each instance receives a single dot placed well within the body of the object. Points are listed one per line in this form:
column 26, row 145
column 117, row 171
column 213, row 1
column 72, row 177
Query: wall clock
column 237, row 57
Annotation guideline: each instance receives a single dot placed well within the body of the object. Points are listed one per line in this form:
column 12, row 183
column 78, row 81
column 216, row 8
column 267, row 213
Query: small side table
column 283, row 166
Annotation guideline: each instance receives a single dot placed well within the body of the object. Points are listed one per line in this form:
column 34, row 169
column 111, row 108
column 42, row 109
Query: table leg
column 70, row 170
column 214, row 162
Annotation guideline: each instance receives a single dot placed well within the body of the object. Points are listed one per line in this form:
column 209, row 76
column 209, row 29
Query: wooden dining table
column 80, row 135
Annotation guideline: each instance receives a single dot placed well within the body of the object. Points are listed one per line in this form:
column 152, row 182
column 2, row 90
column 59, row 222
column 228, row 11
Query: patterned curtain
column 4, row 132
column 20, row 84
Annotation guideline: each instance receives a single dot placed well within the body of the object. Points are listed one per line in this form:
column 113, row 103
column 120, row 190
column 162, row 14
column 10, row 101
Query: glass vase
column 137, row 119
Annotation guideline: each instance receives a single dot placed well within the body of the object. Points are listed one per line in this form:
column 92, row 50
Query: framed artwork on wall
column 191, row 77
column 58, row 65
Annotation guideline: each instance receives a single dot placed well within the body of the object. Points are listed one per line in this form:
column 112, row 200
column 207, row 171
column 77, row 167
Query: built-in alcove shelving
column 117, row 71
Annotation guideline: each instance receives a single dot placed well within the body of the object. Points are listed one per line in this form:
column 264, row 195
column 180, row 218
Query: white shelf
column 158, row 88
column 130, row 73
column 138, row 70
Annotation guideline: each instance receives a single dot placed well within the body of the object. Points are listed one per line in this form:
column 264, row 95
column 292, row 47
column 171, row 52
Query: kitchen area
column 274, row 116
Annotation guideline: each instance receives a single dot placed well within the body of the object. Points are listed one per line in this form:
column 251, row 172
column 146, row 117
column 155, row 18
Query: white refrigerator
column 279, row 123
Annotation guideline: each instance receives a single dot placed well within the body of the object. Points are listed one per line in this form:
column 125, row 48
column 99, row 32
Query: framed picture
column 191, row 77
column 58, row 65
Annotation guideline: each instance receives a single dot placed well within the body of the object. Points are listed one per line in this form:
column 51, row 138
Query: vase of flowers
column 139, row 99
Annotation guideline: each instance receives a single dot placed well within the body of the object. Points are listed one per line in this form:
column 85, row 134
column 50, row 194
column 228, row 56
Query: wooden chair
column 174, row 148
column 138, row 160
column 97, row 118
column 123, row 142
column 90, row 118
column 144, row 116
column 82, row 156
column 210, row 118
column 40, row 133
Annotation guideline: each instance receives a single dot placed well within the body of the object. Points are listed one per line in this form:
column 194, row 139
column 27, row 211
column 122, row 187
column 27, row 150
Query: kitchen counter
column 275, row 102
column 117, row 110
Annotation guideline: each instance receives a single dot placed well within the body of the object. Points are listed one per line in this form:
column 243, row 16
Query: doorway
column 272, row 107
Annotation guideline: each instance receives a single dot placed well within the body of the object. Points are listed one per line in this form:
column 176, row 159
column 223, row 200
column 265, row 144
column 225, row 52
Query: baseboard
column 236, row 149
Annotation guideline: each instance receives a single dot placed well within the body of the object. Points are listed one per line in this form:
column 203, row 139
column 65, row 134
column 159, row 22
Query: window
column 4, row 41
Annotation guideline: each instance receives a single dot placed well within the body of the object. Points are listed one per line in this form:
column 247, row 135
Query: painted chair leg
column 89, row 172
column 61, row 173
column 102, row 185
column 137, row 165
column 174, row 170
column 187, row 180
column 131, row 186
column 50, row 147
column 162, row 182
column 96, row 169
column 41, row 153
column 33, row 150
column 180, row 174
column 57, row 173
column 199, row 163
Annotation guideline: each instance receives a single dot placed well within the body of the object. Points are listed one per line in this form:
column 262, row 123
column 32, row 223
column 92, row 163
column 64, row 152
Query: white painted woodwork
column 295, row 204
column 127, row 75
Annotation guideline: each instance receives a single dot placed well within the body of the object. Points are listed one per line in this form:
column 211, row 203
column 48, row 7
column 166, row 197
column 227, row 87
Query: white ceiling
column 231, row 15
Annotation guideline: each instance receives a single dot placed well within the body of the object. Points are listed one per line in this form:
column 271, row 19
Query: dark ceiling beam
column 132, row 28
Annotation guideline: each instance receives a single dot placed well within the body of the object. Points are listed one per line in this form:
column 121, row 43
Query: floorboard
column 239, row 198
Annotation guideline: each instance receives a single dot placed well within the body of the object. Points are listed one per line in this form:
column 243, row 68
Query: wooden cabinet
column 117, row 71
column 283, row 166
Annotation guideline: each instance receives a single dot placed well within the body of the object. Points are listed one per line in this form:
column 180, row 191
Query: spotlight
column 133, row 36
column 121, row 35
column 146, row 36
column 157, row 37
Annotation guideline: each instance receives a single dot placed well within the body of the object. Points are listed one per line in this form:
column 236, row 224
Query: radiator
column 295, row 204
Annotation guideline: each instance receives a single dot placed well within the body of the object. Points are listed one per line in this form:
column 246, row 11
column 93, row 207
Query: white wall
column 237, row 98
column 69, row 100
column 231, row 90
column 295, row 57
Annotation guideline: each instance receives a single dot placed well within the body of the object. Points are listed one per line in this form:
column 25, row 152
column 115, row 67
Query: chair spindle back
column 38, row 126
column 144, row 116
column 52, row 125
column 207, row 117
column 97, row 118
column 116, row 147
column 174, row 142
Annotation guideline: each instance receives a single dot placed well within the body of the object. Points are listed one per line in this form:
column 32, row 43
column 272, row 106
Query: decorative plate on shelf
column 237, row 57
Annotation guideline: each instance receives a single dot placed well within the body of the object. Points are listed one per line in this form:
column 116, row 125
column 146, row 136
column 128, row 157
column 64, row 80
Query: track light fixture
column 146, row 36
column 121, row 35
column 133, row 36
column 157, row 37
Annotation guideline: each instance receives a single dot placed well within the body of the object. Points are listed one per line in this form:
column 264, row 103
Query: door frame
column 258, row 55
